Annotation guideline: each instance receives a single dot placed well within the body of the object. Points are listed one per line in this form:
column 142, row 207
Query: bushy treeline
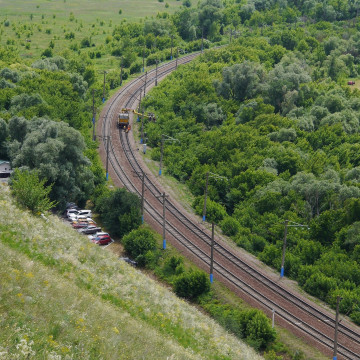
column 284, row 130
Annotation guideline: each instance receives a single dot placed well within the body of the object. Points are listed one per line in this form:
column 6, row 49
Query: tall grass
column 64, row 298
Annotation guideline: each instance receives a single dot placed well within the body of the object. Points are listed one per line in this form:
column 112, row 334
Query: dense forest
column 271, row 112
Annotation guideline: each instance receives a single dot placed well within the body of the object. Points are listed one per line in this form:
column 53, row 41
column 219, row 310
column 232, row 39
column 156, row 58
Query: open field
column 66, row 296
column 85, row 10
column 32, row 25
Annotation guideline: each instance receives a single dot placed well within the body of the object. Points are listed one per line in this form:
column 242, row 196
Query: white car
column 80, row 214
column 70, row 212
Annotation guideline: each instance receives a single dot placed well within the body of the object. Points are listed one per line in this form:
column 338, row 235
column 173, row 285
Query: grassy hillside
column 62, row 296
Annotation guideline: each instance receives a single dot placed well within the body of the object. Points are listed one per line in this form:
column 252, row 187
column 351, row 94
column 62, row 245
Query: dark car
column 102, row 240
column 128, row 260
column 90, row 229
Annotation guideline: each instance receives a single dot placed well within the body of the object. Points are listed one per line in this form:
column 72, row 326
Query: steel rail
column 199, row 232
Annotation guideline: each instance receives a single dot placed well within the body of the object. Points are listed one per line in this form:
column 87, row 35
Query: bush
column 47, row 53
column 138, row 244
column 230, row 226
column 252, row 325
column 31, row 192
column 192, row 284
column 174, row 266
column 135, row 67
column 85, row 42
column 119, row 211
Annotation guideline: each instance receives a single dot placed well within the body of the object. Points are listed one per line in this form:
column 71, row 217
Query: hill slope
column 62, row 296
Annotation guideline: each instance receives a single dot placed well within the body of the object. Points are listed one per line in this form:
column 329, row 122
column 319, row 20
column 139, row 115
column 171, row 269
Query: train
column 123, row 121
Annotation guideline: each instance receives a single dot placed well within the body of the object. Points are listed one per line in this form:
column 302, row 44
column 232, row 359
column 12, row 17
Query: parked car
column 83, row 218
column 90, row 229
column 80, row 224
column 71, row 205
column 73, row 215
column 71, row 211
column 102, row 240
column 99, row 233
column 128, row 260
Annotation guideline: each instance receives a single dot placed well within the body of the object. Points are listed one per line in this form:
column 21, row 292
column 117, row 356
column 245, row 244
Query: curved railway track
column 292, row 310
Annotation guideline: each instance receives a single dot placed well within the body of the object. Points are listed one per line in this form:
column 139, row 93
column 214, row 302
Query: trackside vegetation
column 282, row 126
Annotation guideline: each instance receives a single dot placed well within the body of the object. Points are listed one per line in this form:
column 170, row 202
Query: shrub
column 135, row 67
column 47, row 53
column 192, row 284
column 85, row 42
column 138, row 243
column 230, row 226
column 31, row 192
column 174, row 266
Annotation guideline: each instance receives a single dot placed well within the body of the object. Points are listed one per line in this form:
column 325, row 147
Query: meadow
column 32, row 25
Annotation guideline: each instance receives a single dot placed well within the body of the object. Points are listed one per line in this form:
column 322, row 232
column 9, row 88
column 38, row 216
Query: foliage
column 55, row 151
column 139, row 243
column 285, row 135
column 119, row 211
column 31, row 192
column 4, row 132
column 192, row 284
column 251, row 325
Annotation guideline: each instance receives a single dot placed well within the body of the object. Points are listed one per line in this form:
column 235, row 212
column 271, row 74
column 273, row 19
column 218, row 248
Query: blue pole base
column 107, row 176
column 335, row 358
column 143, row 69
column 203, row 217
column 282, row 272
column 160, row 172
column 211, row 278
column 142, row 219
column 93, row 120
column 103, row 100
column 141, row 141
column 171, row 57
column 164, row 244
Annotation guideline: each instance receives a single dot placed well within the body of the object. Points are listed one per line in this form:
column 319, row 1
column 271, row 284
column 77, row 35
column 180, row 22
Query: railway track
column 292, row 310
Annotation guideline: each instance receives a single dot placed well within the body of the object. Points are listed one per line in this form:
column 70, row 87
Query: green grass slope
column 62, row 297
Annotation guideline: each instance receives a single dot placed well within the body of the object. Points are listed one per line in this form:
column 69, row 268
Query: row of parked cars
column 81, row 221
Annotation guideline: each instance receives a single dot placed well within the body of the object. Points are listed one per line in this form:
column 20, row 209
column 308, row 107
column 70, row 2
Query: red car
column 80, row 225
column 102, row 240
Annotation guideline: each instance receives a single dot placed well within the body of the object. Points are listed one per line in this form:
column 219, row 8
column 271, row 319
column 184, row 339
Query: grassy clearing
column 86, row 10
column 68, row 291
column 42, row 21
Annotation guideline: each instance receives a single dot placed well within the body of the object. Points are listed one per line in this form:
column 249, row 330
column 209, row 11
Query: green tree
column 55, row 150
column 30, row 191
column 4, row 132
column 119, row 211
column 241, row 81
